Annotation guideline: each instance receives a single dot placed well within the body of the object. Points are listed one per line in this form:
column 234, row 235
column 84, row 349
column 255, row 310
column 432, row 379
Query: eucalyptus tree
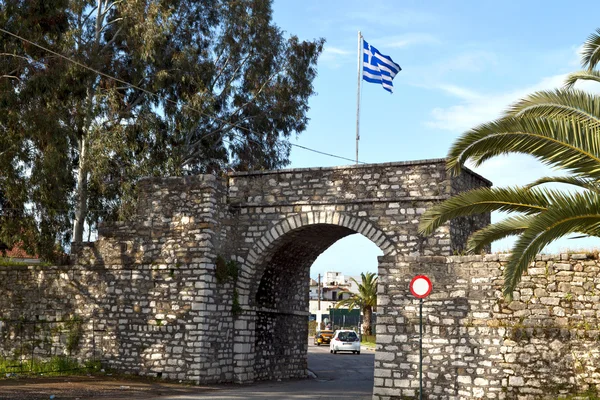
column 96, row 94
column 365, row 299
column 561, row 129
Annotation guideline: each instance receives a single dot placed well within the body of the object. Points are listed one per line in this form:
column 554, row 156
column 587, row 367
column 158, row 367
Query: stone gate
column 209, row 281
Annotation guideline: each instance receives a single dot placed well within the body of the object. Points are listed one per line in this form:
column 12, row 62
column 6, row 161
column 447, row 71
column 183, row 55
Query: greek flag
column 378, row 68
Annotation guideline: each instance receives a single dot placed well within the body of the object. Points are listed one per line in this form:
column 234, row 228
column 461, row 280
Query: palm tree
column 365, row 299
column 561, row 129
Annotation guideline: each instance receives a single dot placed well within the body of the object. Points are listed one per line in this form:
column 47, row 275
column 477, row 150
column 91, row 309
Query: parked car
column 323, row 337
column 345, row 340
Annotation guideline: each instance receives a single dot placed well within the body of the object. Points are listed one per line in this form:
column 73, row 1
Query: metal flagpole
column 360, row 63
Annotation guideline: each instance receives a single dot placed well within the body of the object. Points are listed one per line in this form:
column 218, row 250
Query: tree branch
column 10, row 77
column 112, row 40
column 111, row 5
column 233, row 76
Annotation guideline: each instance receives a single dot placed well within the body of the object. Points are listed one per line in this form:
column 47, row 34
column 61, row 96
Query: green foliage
column 74, row 327
column 368, row 341
column 9, row 262
column 561, row 129
column 221, row 269
column 232, row 270
column 56, row 365
column 226, row 271
column 366, row 296
column 231, row 90
column 365, row 299
column 236, row 309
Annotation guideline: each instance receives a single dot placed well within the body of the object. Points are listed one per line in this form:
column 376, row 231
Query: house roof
column 17, row 251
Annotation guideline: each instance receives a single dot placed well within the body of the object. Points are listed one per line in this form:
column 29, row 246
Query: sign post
column 420, row 287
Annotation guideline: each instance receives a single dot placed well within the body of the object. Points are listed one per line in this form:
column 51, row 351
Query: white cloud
column 430, row 75
column 471, row 61
column 335, row 57
column 460, row 92
column 401, row 41
column 477, row 108
column 513, row 169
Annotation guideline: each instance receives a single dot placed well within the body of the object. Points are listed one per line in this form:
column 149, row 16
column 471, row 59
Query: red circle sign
column 420, row 286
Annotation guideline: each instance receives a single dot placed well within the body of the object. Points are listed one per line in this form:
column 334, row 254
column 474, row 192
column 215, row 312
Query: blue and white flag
column 378, row 68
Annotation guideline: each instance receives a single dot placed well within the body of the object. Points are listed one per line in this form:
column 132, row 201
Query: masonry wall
column 392, row 195
column 542, row 344
column 153, row 282
column 286, row 218
column 150, row 284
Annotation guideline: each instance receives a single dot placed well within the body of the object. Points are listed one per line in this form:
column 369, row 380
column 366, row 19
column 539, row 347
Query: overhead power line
column 131, row 85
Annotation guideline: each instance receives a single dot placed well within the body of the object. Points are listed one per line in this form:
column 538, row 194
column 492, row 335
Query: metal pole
column 21, row 322
column 93, row 338
column 421, row 349
column 360, row 58
column 32, row 347
column 319, row 294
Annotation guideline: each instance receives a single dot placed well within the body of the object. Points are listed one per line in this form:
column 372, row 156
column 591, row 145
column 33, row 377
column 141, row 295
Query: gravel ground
column 88, row 387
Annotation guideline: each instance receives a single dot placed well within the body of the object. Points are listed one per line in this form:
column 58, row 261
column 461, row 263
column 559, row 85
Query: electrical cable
column 167, row 100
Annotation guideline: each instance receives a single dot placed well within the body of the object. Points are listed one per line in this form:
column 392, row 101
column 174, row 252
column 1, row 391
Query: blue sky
column 463, row 63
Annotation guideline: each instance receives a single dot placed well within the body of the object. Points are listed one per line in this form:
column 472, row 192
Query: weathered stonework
column 544, row 343
column 152, row 282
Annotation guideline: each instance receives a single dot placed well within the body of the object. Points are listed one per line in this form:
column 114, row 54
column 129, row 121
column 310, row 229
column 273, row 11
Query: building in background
column 334, row 287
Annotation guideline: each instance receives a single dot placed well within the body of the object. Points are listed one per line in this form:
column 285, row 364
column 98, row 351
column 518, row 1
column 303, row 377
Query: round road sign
column 420, row 286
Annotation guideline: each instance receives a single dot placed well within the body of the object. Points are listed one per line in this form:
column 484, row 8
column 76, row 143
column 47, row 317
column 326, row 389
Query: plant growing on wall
column 228, row 271
column 561, row 129
column 74, row 330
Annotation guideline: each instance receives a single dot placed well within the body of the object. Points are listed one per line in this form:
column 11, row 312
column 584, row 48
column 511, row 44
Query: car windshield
column 347, row 336
column 325, row 332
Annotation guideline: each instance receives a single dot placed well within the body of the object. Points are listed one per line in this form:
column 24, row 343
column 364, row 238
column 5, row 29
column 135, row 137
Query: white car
column 345, row 340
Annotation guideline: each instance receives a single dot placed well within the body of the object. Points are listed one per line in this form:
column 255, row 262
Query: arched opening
column 279, row 294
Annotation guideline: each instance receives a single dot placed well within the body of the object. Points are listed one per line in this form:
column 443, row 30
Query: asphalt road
column 338, row 376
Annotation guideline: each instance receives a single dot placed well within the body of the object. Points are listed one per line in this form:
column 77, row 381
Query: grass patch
column 57, row 365
column 11, row 262
column 368, row 341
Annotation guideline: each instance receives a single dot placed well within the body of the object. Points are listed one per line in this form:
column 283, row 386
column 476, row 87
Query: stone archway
column 275, row 286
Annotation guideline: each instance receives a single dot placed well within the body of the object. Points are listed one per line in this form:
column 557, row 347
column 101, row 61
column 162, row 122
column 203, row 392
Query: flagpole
column 360, row 62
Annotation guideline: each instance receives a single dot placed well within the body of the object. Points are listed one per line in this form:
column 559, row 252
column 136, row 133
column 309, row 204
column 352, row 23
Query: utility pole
column 319, row 293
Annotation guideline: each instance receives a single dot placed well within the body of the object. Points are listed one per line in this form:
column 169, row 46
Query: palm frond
column 483, row 200
column 350, row 303
column 573, row 77
column 569, row 180
column 571, row 104
column 591, row 51
column 367, row 293
column 570, row 213
column 508, row 227
column 558, row 143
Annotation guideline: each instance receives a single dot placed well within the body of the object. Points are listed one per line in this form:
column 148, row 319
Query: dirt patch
column 87, row 387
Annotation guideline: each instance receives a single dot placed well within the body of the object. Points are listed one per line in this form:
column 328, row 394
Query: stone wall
column 476, row 345
column 286, row 218
column 151, row 283
column 208, row 281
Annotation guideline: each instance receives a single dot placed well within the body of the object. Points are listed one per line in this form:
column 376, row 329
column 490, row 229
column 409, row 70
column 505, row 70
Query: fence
column 50, row 347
